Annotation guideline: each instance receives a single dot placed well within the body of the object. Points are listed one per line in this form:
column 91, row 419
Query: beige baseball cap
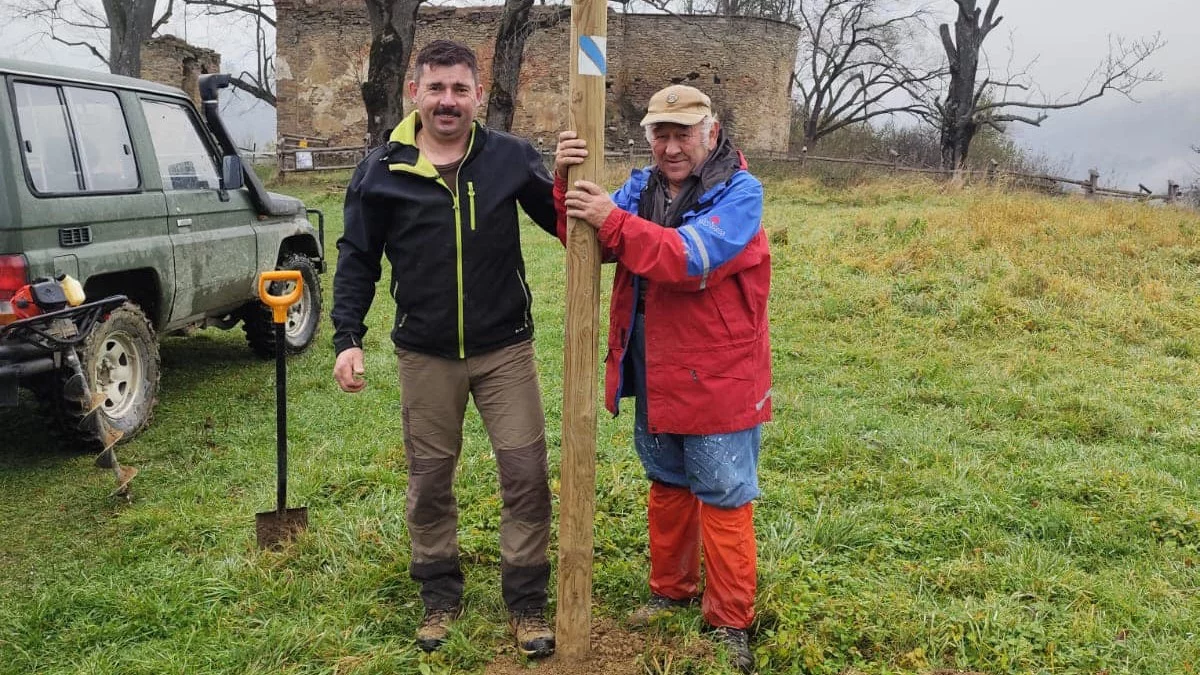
column 679, row 104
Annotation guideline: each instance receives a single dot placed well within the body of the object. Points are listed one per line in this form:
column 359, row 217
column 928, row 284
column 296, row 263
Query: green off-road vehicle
column 122, row 185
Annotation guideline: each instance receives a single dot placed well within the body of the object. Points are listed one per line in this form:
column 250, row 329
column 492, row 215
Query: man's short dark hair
column 446, row 53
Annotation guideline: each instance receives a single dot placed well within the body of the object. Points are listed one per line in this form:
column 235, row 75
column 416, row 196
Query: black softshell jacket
column 458, row 277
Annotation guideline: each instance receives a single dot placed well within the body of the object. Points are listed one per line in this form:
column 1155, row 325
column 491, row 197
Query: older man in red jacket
column 688, row 338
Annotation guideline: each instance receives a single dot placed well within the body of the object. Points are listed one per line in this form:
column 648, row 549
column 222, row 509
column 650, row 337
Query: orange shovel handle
column 280, row 303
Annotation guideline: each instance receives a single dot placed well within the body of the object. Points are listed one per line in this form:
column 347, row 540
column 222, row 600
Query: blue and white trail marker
column 592, row 49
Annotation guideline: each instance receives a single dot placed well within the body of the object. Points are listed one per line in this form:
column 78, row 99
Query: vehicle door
column 212, row 229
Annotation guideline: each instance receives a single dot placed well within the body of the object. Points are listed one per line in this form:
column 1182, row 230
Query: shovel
column 274, row 528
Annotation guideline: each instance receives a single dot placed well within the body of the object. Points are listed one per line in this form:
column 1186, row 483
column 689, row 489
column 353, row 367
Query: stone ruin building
column 744, row 64
column 171, row 61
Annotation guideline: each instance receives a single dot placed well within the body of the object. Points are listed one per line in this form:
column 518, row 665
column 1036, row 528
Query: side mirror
column 231, row 173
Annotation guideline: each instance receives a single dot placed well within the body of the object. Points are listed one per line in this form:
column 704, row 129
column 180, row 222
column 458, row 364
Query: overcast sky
column 232, row 37
column 1130, row 143
column 1060, row 42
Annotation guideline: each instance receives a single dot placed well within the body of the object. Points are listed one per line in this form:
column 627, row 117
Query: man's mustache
column 442, row 110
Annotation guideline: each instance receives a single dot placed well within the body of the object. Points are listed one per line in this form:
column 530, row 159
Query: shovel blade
column 275, row 528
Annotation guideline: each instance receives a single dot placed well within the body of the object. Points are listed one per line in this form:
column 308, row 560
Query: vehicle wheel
column 120, row 359
column 303, row 318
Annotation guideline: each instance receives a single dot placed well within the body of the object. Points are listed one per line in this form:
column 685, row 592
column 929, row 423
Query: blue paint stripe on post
column 594, row 54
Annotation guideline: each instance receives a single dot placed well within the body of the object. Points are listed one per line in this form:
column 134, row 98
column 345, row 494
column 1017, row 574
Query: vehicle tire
column 303, row 318
column 120, row 359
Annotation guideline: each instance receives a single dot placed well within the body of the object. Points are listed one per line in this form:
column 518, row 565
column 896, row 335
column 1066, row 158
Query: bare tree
column 125, row 25
column 515, row 29
column 393, row 29
column 853, row 64
column 261, row 14
column 970, row 104
column 506, row 65
column 849, row 70
column 131, row 22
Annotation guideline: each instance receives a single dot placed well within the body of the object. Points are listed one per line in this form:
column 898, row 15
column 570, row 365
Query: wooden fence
column 1090, row 186
column 312, row 153
column 298, row 153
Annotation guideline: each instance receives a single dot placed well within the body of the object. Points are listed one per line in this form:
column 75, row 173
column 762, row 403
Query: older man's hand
column 589, row 203
column 571, row 150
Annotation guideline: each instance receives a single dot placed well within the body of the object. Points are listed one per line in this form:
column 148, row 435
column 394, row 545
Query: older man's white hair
column 704, row 126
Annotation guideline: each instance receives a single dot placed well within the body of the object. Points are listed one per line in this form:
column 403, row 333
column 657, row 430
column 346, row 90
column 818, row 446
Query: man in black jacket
column 440, row 199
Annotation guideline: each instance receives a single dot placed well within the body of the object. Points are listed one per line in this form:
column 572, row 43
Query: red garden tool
column 273, row 528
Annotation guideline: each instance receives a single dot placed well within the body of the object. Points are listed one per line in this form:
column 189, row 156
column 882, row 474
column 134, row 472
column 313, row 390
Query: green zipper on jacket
column 462, row 337
column 406, row 133
column 471, row 201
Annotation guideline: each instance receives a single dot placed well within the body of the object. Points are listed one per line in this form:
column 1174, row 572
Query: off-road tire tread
column 256, row 316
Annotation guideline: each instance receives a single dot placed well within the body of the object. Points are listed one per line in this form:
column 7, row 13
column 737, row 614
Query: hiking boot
column 657, row 607
column 736, row 642
column 535, row 638
column 435, row 627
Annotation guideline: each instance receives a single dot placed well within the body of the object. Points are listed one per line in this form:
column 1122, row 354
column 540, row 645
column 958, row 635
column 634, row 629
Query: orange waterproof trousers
column 680, row 526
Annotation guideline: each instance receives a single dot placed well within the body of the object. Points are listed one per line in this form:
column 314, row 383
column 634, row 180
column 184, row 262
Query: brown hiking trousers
column 504, row 385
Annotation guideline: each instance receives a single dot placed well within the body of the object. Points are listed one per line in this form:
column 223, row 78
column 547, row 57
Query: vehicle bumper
column 21, row 360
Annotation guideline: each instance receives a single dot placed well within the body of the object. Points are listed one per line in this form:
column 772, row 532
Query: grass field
column 985, row 457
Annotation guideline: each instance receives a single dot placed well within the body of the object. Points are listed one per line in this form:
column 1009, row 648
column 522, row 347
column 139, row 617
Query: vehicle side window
column 46, row 138
column 74, row 139
column 105, row 152
column 183, row 158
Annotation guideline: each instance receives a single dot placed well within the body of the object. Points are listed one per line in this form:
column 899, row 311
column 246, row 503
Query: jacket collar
column 721, row 163
column 724, row 161
column 404, row 155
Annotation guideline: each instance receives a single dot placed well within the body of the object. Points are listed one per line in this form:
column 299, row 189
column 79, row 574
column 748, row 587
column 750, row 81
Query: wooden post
column 1093, row 180
column 577, row 498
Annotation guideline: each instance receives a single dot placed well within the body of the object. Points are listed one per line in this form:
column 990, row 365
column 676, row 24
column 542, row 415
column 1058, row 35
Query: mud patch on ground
column 615, row 651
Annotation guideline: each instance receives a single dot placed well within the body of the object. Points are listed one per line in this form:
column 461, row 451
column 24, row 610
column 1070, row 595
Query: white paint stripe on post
column 593, row 50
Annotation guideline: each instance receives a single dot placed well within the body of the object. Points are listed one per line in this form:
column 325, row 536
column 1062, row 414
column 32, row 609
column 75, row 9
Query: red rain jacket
column 708, row 353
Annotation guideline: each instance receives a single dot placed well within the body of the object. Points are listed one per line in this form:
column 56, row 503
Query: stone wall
column 744, row 64
column 169, row 60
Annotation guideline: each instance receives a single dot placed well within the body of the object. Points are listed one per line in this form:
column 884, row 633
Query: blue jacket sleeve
column 630, row 193
column 715, row 236
column 704, row 248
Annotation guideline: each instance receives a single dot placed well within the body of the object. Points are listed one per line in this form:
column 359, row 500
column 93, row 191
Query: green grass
column 984, row 457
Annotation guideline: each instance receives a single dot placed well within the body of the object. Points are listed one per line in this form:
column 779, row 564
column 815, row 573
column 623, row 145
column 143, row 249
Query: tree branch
column 1120, row 75
column 948, row 42
column 81, row 43
column 253, row 9
column 993, row 120
column 162, row 20
column 988, row 22
column 246, row 82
